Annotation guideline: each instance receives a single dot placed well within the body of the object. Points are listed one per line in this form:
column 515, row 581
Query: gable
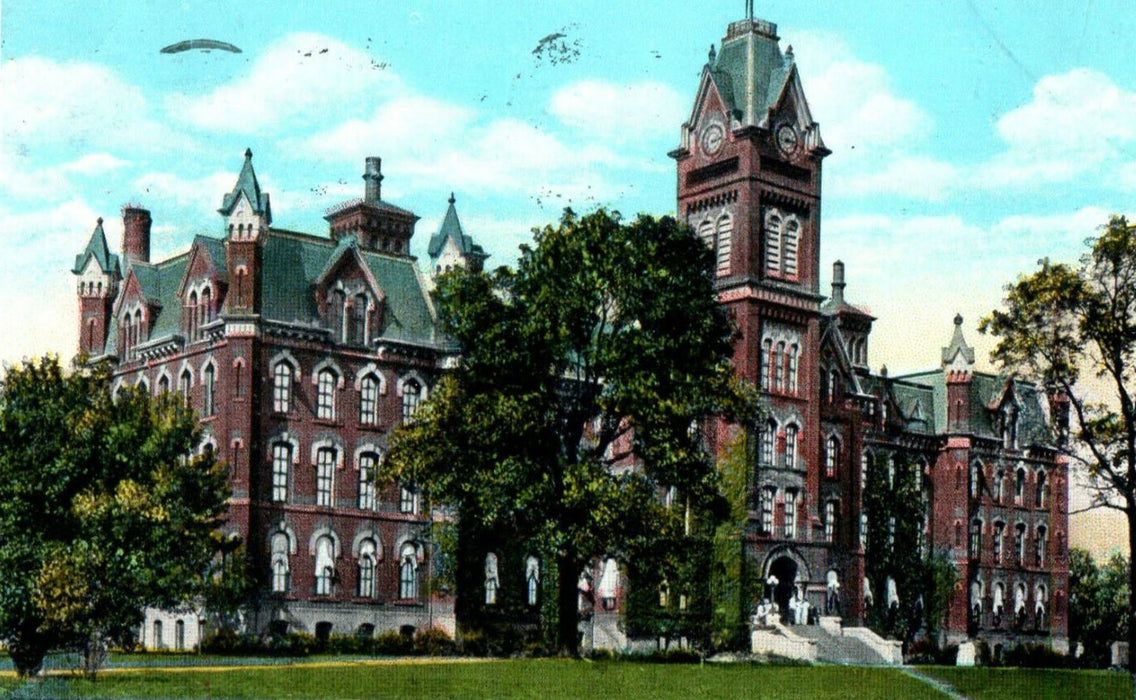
column 206, row 262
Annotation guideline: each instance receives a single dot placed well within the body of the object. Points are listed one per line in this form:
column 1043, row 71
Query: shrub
column 392, row 644
column 231, row 643
column 434, row 642
column 1035, row 656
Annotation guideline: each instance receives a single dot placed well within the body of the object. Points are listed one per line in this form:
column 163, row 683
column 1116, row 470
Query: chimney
column 136, row 234
column 838, row 282
column 373, row 177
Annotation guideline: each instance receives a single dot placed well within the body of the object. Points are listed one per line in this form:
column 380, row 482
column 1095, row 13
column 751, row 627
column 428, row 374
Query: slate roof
column 451, row 229
column 98, row 249
column 771, row 69
column 379, row 205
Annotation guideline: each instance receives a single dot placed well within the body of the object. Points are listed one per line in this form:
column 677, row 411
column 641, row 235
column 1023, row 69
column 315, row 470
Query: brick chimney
column 136, row 234
column 373, row 177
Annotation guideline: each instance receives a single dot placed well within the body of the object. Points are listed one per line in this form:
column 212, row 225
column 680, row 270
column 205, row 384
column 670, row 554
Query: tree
column 102, row 509
column 605, row 342
column 1098, row 605
column 1066, row 323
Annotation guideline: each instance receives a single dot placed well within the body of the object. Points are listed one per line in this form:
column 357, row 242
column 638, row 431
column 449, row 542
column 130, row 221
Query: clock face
column 712, row 139
column 787, row 139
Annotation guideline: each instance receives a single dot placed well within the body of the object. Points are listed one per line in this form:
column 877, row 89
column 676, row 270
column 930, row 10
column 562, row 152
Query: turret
column 450, row 247
column 99, row 273
column 246, row 209
column 375, row 224
column 958, row 365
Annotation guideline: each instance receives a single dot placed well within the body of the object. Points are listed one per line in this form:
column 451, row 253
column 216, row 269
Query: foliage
column 102, row 509
column 1098, row 605
column 606, row 341
column 1067, row 323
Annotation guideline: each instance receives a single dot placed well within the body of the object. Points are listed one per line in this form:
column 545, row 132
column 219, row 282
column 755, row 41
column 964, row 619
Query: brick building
column 302, row 352
column 978, row 446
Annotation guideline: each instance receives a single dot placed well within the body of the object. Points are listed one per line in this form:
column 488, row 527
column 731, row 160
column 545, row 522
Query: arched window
column 975, row 538
column 790, row 446
column 159, row 643
column 766, row 363
column 179, row 635
column 282, row 387
column 790, row 514
column 1040, row 545
column 186, row 383
column 999, row 598
column 369, row 399
column 768, row 439
column 1040, row 603
column 863, row 530
column 1019, row 599
column 210, row 390
column 999, row 483
column 335, row 308
column 325, row 564
column 191, row 316
column 958, row 533
column 833, row 385
column 999, row 533
column 829, row 521
column 408, row 499
column 725, row 237
column 491, row 580
column 794, row 351
column 706, row 233
column 1020, row 543
column 532, row 580
column 367, row 463
column 367, row 557
column 891, row 471
column 1010, row 427
column 163, row 384
column 767, row 495
column 779, row 369
column 359, row 320
column 1039, row 490
column 325, row 394
column 411, row 395
column 865, row 460
column 1019, row 486
column 280, row 549
column 206, row 305
column 773, row 242
column 790, row 243
column 91, row 335
column 281, row 462
column 325, row 476
column 139, row 336
column 831, row 457
column 408, row 572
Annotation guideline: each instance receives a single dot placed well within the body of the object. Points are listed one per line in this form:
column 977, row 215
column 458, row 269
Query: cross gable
column 347, row 268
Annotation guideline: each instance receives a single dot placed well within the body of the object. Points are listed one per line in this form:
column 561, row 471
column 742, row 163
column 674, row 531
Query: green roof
column 98, row 249
column 731, row 74
column 451, row 229
column 293, row 262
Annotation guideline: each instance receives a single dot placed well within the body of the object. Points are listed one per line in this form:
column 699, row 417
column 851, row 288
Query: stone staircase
column 841, row 649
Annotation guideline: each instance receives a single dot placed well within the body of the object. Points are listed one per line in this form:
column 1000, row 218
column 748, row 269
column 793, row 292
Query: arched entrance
column 785, row 569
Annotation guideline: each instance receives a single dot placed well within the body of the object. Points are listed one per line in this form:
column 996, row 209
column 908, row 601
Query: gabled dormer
column 246, row 209
column 838, row 377
column 1006, row 410
column 203, row 287
column 450, row 247
column 348, row 296
column 136, row 309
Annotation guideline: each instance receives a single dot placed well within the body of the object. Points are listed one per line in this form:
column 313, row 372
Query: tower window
column 790, row 447
column 282, row 388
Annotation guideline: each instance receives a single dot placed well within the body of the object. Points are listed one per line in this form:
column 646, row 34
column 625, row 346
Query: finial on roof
column 248, row 153
column 100, row 221
column 789, row 54
column 958, row 354
column 713, row 53
column 883, row 370
column 452, row 200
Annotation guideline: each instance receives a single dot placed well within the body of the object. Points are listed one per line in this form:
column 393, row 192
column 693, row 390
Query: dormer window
column 1010, row 427
column 336, row 306
column 359, row 319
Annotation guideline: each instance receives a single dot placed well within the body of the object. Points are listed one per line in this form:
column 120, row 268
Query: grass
column 1014, row 683
column 542, row 678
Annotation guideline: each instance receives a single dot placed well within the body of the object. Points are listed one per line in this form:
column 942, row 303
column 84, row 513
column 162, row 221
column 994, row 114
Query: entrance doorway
column 785, row 569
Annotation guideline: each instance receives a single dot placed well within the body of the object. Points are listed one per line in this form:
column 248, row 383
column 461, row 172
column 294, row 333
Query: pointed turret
column 100, row 273
column 450, row 247
column 247, row 210
column 958, row 355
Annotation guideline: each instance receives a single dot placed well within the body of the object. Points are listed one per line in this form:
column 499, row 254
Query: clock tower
column 749, row 184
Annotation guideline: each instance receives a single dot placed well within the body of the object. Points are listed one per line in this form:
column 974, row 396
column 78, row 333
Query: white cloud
column 296, row 80
column 917, row 177
column 406, row 127
column 1075, row 123
column 614, row 112
column 78, row 107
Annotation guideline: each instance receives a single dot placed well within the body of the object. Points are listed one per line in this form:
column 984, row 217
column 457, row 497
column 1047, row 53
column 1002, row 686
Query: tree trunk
column 1130, row 512
column 567, row 613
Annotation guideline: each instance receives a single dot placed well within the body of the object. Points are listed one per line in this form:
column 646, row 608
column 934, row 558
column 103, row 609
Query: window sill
column 328, row 422
column 407, row 602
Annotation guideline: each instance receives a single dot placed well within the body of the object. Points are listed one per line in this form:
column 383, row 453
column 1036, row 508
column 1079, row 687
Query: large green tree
column 1074, row 328
column 1098, row 605
column 605, row 341
column 103, row 510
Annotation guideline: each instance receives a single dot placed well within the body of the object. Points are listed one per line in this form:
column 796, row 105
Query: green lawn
column 554, row 678
column 503, row 679
column 1014, row 683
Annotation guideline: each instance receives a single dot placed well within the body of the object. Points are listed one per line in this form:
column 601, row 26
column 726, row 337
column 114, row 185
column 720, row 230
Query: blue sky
column 968, row 139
